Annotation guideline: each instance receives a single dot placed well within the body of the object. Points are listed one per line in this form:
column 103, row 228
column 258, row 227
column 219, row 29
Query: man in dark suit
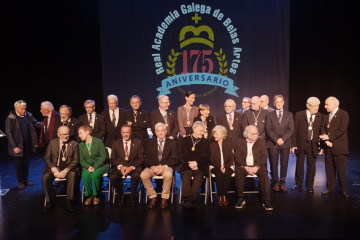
column 255, row 116
column 62, row 161
column 279, row 129
column 67, row 120
column 160, row 158
column 138, row 119
column 232, row 121
column 165, row 115
column 251, row 159
column 307, row 126
column 245, row 105
column 126, row 159
column 334, row 133
column 48, row 131
column 264, row 103
column 115, row 117
column 93, row 119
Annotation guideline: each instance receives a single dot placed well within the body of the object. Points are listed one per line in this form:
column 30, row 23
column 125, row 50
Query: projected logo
column 202, row 56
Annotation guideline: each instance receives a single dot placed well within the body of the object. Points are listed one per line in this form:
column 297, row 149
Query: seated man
column 62, row 161
column 160, row 158
column 251, row 159
column 126, row 159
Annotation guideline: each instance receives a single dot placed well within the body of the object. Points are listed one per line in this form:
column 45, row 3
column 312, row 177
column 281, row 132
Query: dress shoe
column 88, row 201
column 240, row 203
column 327, row 192
column 132, row 201
column 152, row 202
column 96, row 201
column 276, row 188
column 267, row 205
column 225, row 201
column 164, row 203
column 345, row 194
column 310, row 190
column 70, row 206
column 21, row 186
column 48, row 206
column 297, row 188
column 283, row 189
column 220, row 201
column 28, row 183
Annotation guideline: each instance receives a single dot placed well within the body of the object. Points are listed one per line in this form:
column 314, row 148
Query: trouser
column 21, row 163
column 92, row 181
column 146, row 176
column 274, row 154
column 117, row 180
column 190, row 188
column 310, row 166
column 335, row 166
column 241, row 173
column 223, row 180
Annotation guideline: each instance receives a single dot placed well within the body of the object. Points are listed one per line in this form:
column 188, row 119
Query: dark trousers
column 21, row 164
column 274, row 154
column 223, row 180
column 117, row 180
column 310, row 166
column 335, row 166
column 240, row 175
column 72, row 184
column 190, row 188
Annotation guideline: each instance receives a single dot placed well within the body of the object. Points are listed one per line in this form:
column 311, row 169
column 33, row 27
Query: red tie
column 126, row 149
column 230, row 120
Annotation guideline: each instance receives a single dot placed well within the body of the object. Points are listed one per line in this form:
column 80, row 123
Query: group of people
column 189, row 141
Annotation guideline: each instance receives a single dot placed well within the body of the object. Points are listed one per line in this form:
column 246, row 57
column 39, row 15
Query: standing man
column 255, row 116
column 334, row 133
column 67, row 120
column 279, row 129
column 307, row 126
column 62, row 161
column 264, row 103
column 93, row 119
column 126, row 159
column 48, row 131
column 138, row 119
column 245, row 105
column 22, row 140
column 115, row 117
column 232, row 121
column 165, row 115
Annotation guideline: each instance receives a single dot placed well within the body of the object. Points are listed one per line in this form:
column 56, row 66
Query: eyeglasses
column 65, row 134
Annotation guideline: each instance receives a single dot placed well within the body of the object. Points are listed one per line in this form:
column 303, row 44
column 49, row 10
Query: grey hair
column 247, row 128
column 313, row 101
column 47, row 105
column 221, row 129
column 198, row 124
column 19, row 102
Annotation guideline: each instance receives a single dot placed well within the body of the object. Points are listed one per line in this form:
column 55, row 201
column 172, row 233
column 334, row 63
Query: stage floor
column 295, row 215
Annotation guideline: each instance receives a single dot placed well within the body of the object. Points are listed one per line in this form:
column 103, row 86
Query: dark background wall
column 51, row 51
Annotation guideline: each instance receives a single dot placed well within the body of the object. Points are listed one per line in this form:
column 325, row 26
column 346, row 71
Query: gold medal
column 63, row 159
column 188, row 122
column 310, row 127
column 126, row 158
column 256, row 123
column 205, row 135
column 328, row 126
column 193, row 148
column 231, row 128
column 166, row 124
column 135, row 120
column 91, row 124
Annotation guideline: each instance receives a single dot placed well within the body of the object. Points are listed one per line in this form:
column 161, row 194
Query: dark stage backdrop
column 218, row 49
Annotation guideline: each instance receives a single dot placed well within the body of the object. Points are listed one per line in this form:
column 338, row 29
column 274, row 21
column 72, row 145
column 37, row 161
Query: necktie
column 62, row 157
column 91, row 121
column 126, row 151
column 310, row 130
column 230, row 121
column 46, row 131
column 167, row 125
column 113, row 121
column 160, row 149
column 331, row 116
column 280, row 116
column 66, row 123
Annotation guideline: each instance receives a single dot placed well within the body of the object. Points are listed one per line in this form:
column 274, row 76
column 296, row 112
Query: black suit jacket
column 156, row 117
column 136, row 157
column 52, row 154
column 237, row 132
column 99, row 130
column 249, row 119
column 275, row 130
column 139, row 128
column 301, row 124
column 200, row 155
column 169, row 155
column 259, row 153
column 337, row 131
column 215, row 155
column 73, row 125
column 112, row 132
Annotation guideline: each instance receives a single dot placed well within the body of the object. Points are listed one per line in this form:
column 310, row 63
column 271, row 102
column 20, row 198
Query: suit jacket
column 259, row 151
column 169, row 155
column 215, row 155
column 237, row 132
column 136, row 157
column 55, row 116
column 52, row 154
column 249, row 119
column 200, row 155
column 156, row 117
column 210, row 124
column 99, row 130
column 139, row 128
column 299, row 136
column 97, row 158
column 276, row 130
column 112, row 132
column 337, row 131
column 74, row 125
column 182, row 118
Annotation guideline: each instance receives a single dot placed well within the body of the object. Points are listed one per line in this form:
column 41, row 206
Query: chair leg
column 180, row 190
column 82, row 193
column 211, row 189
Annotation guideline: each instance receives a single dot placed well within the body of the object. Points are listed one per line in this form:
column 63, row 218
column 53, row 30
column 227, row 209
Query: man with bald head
column 232, row 121
column 334, row 134
column 255, row 116
column 264, row 103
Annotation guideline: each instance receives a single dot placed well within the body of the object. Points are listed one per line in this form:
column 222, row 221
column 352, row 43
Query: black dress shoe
column 70, row 206
column 121, row 201
column 327, row 192
column 310, row 190
column 297, row 188
column 48, row 207
column 345, row 194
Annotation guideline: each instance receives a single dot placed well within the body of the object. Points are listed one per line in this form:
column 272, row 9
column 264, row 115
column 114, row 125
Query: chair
column 172, row 188
column 255, row 178
column 211, row 176
column 56, row 182
column 127, row 192
column 205, row 194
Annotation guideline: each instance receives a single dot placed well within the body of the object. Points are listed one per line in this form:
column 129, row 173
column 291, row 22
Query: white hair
column 47, row 105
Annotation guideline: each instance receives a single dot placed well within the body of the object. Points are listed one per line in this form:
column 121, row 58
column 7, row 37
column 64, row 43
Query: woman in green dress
column 94, row 164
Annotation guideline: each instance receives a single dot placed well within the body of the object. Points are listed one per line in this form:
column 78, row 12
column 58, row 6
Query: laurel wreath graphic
column 171, row 63
column 222, row 62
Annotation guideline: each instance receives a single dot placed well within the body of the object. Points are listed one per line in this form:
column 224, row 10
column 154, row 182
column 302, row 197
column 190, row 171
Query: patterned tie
column 126, row 149
column 91, row 121
column 230, row 120
column 160, row 149
column 310, row 130
column 280, row 116
column 113, row 121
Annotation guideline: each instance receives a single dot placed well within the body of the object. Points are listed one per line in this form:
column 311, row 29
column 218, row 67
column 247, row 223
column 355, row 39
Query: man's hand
column 17, row 150
column 123, row 170
column 129, row 123
column 293, row 149
column 63, row 173
column 329, row 144
column 154, row 169
column 222, row 168
column 193, row 165
column 324, row 137
column 280, row 142
column 161, row 169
